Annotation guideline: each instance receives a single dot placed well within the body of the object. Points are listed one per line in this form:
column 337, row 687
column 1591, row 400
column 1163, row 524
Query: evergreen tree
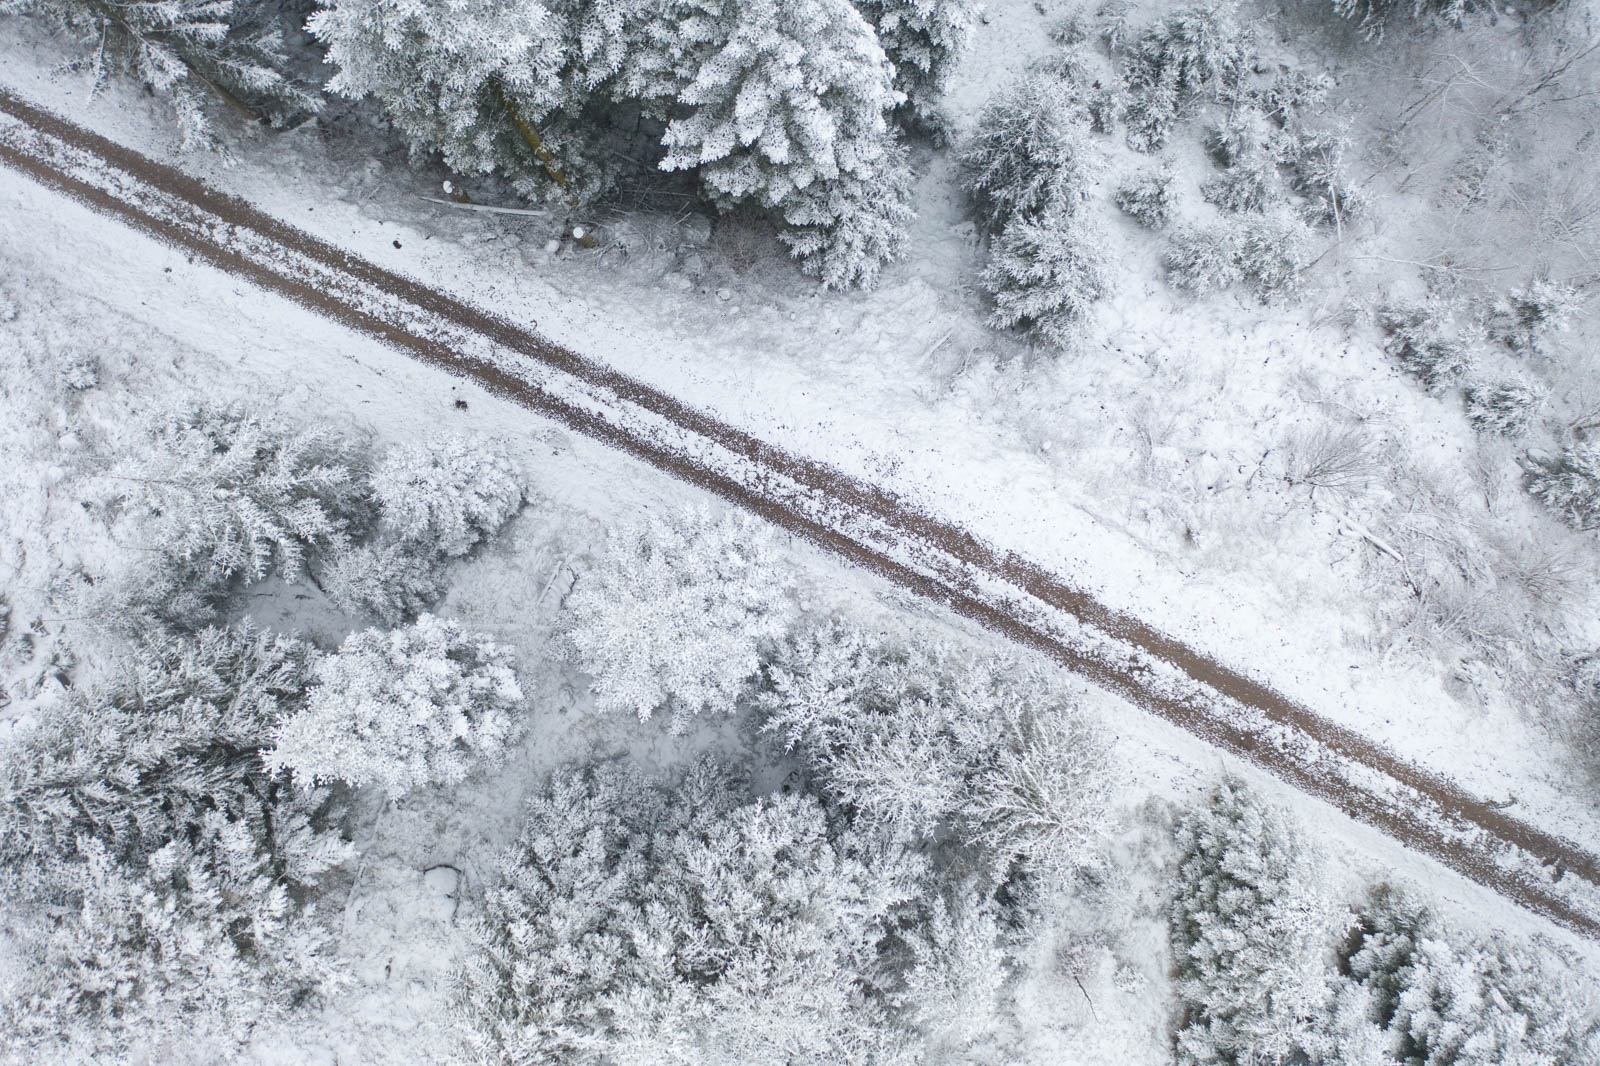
column 922, row 38
column 1046, row 274
column 194, row 52
column 1524, row 319
column 1568, row 484
column 1248, row 933
column 1504, row 409
column 1175, row 63
column 402, row 710
column 638, row 924
column 675, row 611
column 447, row 495
column 1030, row 155
column 845, row 231
column 1147, row 197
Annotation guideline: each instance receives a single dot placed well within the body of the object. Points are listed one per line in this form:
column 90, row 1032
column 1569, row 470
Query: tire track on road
column 861, row 522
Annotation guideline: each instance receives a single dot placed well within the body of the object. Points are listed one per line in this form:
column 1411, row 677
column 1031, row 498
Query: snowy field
column 1263, row 481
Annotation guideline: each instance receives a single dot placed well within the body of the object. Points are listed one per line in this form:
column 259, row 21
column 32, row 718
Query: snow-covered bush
column 1505, row 409
column 1415, row 338
column 1568, row 484
column 1524, row 319
column 1272, row 252
column 405, row 709
column 1249, row 931
column 1045, row 274
column 636, row 923
column 1175, row 63
column 844, row 232
column 1444, row 999
column 1372, row 17
column 446, row 495
column 198, row 53
column 1315, row 165
column 958, row 971
column 1246, row 187
column 919, row 738
column 1147, row 197
column 388, row 581
column 178, row 862
column 1203, row 259
column 230, row 495
column 1031, row 153
column 674, row 613
column 922, row 38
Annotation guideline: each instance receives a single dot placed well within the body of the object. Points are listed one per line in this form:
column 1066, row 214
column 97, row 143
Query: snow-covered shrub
column 1524, row 319
column 1203, row 259
column 1046, row 274
column 918, row 738
column 958, row 971
column 448, row 494
column 1568, row 484
column 1446, row 999
column 1315, row 165
column 1147, row 197
column 229, row 494
column 1415, row 338
column 1030, row 154
column 198, row 53
column 1177, row 61
column 922, row 38
column 636, row 923
column 405, row 709
column 1249, row 931
column 1272, row 252
column 1505, row 409
column 674, row 613
column 178, row 861
column 1249, row 186
column 388, row 581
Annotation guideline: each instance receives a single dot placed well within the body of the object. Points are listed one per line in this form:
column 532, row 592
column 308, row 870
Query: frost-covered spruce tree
column 1175, row 63
column 1373, row 17
column 1273, row 250
column 1249, row 931
column 177, row 862
column 922, row 38
column 636, row 923
column 1415, row 338
column 1031, row 153
column 917, row 739
column 231, row 495
column 844, row 232
column 1203, row 259
column 402, row 710
column 390, row 581
column 1046, row 273
column 1447, row 999
column 197, row 53
column 1317, row 171
column 483, row 84
column 793, row 99
column 1568, row 484
column 1524, row 319
column 447, row 495
column 674, row 613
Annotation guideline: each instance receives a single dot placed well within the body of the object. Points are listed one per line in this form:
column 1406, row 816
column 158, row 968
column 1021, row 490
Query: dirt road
column 930, row 556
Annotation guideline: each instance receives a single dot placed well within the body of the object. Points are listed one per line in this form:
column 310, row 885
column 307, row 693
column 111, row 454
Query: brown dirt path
column 859, row 521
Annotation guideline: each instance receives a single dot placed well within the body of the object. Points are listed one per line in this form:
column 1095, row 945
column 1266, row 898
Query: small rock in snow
column 696, row 229
column 552, row 246
column 724, row 295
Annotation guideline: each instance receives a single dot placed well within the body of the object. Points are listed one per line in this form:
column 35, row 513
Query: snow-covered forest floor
column 1261, row 480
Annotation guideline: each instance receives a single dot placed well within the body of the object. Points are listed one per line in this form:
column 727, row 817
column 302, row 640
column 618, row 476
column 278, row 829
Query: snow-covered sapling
column 402, row 710
column 1148, row 198
column 198, row 53
column 1505, row 409
column 1273, row 251
column 1046, row 274
column 1316, row 169
column 1372, row 17
column 1415, row 338
column 1525, row 319
column 1568, row 484
column 674, row 613
column 1031, row 153
column 1203, row 259
column 447, row 495
column 1175, row 63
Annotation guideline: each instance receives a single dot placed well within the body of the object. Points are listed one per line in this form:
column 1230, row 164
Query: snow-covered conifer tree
column 922, row 38
column 1031, row 153
column 673, row 614
column 845, row 231
column 401, row 710
column 1147, row 197
column 448, row 494
column 636, row 924
column 1046, row 274
column 1177, row 61
column 1505, row 409
column 198, row 53
column 1249, row 931
column 1568, row 484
